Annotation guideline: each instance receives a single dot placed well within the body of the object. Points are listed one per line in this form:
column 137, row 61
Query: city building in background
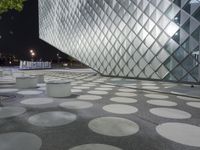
column 157, row 39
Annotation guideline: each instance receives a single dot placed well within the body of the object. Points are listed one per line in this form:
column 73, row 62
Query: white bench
column 40, row 77
column 26, row 82
column 58, row 88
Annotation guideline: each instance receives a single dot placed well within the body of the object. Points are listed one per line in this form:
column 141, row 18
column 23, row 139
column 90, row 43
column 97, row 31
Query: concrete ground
column 103, row 113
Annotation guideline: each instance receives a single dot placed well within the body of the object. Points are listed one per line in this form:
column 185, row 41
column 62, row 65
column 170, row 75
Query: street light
column 32, row 53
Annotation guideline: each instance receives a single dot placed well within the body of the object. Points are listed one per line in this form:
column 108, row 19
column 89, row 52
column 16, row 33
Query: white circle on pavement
column 94, row 147
column 123, row 100
column 113, row 126
column 107, row 86
column 98, row 81
column 6, row 112
column 89, row 84
column 148, row 84
column 104, row 89
column 170, row 113
column 173, row 92
column 98, row 92
column 194, row 104
column 37, row 101
column 181, row 133
column 89, row 97
column 76, row 105
column 161, row 103
column 19, row 141
column 188, row 98
column 128, row 94
column 120, row 109
column 52, row 119
column 159, row 96
column 150, row 87
column 77, row 82
column 30, row 92
column 131, row 86
column 127, row 90
column 76, row 90
column 81, row 87
column 8, row 90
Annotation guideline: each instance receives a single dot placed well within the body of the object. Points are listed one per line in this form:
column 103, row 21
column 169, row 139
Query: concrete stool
column 18, row 74
column 58, row 88
column 26, row 82
column 40, row 77
column 7, row 72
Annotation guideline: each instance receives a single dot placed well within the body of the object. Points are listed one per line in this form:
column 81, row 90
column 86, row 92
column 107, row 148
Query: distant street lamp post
column 32, row 54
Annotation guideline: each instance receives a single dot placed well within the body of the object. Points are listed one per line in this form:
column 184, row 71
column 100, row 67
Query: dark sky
column 19, row 34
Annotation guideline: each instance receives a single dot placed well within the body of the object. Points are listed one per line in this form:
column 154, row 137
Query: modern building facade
column 147, row 39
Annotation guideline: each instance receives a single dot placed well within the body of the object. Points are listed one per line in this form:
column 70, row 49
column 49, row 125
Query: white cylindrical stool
column 26, row 82
column 40, row 77
column 58, row 88
column 7, row 72
column 18, row 74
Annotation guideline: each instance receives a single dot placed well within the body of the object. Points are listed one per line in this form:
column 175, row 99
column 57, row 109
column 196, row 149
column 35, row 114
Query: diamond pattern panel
column 151, row 39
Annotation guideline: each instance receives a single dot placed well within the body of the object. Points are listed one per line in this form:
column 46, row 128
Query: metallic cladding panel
column 151, row 39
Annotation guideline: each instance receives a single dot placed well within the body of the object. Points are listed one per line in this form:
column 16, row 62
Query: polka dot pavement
column 95, row 147
column 81, row 87
column 161, row 103
column 159, row 96
column 126, row 90
column 19, row 141
column 99, row 116
column 170, row 113
column 194, row 104
column 120, row 109
column 182, row 133
column 6, row 112
column 113, row 126
column 89, row 97
column 52, row 119
column 123, row 100
column 37, row 101
column 98, row 92
column 125, row 94
column 76, row 105
column 188, row 98
column 30, row 92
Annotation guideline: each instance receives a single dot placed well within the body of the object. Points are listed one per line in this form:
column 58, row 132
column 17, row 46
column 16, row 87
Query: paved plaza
column 103, row 113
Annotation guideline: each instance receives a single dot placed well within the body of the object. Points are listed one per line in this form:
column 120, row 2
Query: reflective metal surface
column 152, row 39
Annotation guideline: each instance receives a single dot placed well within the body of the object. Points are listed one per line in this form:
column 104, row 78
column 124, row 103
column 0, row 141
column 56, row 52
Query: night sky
column 19, row 33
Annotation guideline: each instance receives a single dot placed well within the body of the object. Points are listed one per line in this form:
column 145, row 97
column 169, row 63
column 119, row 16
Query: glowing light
column 171, row 29
column 32, row 54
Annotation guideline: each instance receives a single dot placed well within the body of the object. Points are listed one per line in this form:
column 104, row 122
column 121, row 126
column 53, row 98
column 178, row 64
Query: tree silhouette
column 6, row 5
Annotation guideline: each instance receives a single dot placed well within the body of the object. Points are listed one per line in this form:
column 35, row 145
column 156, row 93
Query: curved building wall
column 151, row 39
